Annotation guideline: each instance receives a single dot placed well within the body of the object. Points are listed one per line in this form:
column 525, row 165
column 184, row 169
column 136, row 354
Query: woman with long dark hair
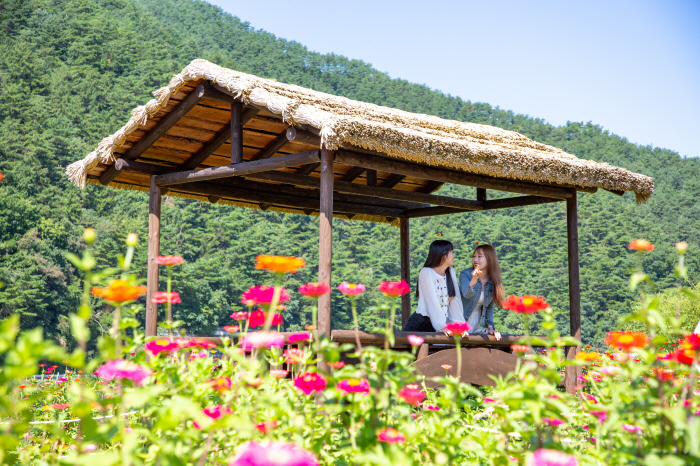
column 482, row 287
column 437, row 292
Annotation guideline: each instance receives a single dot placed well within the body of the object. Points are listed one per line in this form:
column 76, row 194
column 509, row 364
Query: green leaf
column 637, row 278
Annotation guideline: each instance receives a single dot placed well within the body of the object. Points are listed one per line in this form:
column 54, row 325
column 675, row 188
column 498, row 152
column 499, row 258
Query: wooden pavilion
column 226, row 137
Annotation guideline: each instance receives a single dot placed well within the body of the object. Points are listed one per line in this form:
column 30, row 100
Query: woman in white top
column 437, row 292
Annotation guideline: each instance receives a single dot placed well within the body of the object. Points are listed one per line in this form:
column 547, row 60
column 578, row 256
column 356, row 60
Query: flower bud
column 132, row 240
column 681, row 246
column 89, row 235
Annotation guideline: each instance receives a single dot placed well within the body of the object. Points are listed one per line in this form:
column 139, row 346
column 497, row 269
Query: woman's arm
column 464, row 278
column 428, row 294
column 489, row 321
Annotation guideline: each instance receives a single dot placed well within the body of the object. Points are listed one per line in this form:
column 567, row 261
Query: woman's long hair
column 439, row 249
column 493, row 269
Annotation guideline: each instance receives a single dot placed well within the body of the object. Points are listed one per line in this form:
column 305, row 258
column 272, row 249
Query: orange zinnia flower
column 593, row 356
column 119, row 291
column 641, row 245
column 626, row 340
column 169, row 261
column 279, row 264
column 527, row 304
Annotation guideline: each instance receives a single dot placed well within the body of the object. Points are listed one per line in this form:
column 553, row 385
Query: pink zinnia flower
column 309, row 382
column 314, row 290
column 240, row 315
column 447, row 367
column 156, row 347
column 261, row 340
column 293, row 356
column 220, row 384
column 458, row 328
column 199, row 343
column 299, row 336
column 394, row 289
column 256, row 318
column 122, row 369
column 217, row 411
column 360, row 386
column 279, row 373
column 63, row 379
column 160, row 297
column 390, row 435
column 415, row 340
column 351, row 289
column 610, row 370
column 60, row 406
column 552, row 421
column 273, row 453
column 266, row 426
column 169, row 261
column 232, row 328
column 489, row 400
column 263, row 295
column 411, row 394
column 546, row 457
column 337, row 365
column 631, row 428
column 601, row 414
column 432, row 407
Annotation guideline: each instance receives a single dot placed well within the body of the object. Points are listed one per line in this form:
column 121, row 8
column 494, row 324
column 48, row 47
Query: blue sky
column 632, row 67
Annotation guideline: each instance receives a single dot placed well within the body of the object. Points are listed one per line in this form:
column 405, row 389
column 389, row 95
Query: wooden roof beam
column 272, row 147
column 507, row 203
column 162, row 127
column 238, row 169
column 449, row 176
column 352, row 174
column 392, row 181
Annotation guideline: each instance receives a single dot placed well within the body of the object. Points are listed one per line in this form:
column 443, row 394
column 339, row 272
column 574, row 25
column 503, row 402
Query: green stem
column 170, row 305
column 273, row 305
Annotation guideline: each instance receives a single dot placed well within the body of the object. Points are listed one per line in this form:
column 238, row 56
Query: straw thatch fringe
column 136, row 187
column 476, row 148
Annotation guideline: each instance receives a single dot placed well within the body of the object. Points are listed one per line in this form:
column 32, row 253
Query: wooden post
column 371, row 177
column 325, row 244
column 481, row 194
column 572, row 372
column 405, row 267
column 236, row 132
column 153, row 252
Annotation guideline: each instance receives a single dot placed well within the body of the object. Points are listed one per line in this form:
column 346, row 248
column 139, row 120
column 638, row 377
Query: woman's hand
column 476, row 274
column 494, row 333
column 446, row 332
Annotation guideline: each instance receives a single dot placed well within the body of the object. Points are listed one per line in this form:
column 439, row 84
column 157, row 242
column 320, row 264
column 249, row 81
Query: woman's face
column 449, row 259
column 479, row 259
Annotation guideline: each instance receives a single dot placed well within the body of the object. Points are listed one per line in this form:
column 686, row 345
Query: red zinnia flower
column 394, row 289
column 691, row 341
column 2, row 177
column 263, row 295
column 314, row 290
column 411, row 394
column 279, row 264
column 273, row 453
column 299, row 336
column 458, row 328
column 266, row 426
column 60, row 406
column 519, row 348
column 337, row 365
column 160, row 297
column 217, row 411
column 199, row 343
column 641, row 245
column 390, row 435
column 626, row 340
column 310, row 382
column 664, row 375
column 119, row 291
column 351, row 289
column 169, row 261
column 527, row 304
column 256, row 318
column 277, row 319
column 353, row 386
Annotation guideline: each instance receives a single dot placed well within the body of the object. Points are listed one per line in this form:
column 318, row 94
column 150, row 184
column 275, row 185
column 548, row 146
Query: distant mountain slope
column 70, row 72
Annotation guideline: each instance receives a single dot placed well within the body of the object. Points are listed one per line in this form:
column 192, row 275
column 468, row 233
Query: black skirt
column 418, row 323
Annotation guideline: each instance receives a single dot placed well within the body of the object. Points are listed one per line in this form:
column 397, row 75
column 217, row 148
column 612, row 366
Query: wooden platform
column 478, row 364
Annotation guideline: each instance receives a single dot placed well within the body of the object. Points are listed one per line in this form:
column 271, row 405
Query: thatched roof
column 425, row 139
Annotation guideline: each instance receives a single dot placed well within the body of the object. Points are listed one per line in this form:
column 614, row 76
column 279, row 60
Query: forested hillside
column 71, row 71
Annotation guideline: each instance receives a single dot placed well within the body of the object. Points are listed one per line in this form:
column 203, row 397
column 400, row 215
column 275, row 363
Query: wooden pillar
column 481, row 194
column 405, row 267
column 153, row 252
column 236, row 132
column 371, row 177
column 572, row 372
column 325, row 243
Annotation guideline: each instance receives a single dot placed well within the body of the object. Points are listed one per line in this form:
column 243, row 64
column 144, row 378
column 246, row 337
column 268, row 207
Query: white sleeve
column 455, row 310
column 428, row 294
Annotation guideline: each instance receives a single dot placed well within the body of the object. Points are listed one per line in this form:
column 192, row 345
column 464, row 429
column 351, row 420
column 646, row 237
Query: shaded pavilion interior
column 210, row 143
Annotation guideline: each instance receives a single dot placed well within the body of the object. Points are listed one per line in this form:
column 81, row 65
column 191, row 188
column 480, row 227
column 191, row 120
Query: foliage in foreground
column 182, row 402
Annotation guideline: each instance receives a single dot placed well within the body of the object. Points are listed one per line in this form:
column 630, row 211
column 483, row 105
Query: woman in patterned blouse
column 437, row 292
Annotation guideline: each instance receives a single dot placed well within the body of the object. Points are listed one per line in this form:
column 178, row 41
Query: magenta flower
column 415, row 340
column 411, row 394
column 263, row 295
column 217, row 411
column 390, row 435
column 261, row 340
column 631, row 428
column 394, row 289
column 299, row 336
column 601, row 414
column 122, row 369
column 458, row 328
column 351, row 289
column 552, row 421
column 310, row 382
column 165, row 345
column 273, row 453
column 432, row 407
column 360, row 386
column 240, row 315
column 546, row 457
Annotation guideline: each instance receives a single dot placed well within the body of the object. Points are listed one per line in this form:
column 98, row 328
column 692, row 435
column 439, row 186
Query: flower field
column 268, row 398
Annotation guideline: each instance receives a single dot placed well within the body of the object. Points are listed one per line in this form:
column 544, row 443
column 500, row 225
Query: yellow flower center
column 528, row 301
